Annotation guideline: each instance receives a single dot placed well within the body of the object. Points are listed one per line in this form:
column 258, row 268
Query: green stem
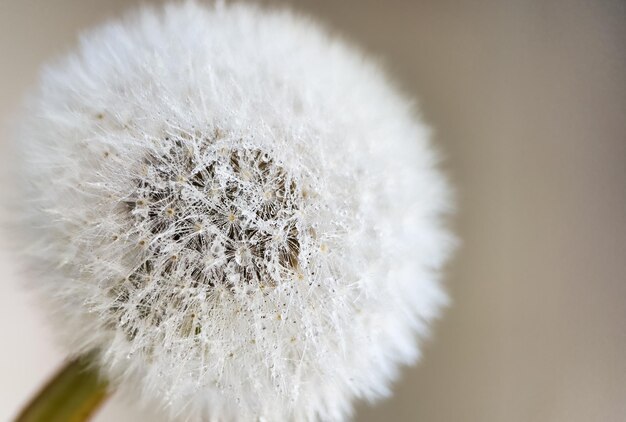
column 72, row 395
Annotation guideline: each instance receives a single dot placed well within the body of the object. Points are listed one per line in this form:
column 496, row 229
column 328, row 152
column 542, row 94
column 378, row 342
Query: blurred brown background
column 528, row 99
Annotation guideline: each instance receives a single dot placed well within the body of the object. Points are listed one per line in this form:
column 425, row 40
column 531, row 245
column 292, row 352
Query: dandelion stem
column 72, row 395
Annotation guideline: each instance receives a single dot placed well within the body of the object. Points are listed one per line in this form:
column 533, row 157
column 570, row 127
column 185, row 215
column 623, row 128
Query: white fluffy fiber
column 236, row 211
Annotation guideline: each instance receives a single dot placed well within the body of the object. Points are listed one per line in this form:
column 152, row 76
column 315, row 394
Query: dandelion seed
column 245, row 142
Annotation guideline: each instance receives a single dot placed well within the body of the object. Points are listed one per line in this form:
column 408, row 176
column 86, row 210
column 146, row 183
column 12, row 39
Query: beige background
column 528, row 99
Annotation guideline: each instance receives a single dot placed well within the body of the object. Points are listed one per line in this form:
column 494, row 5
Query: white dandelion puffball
column 236, row 211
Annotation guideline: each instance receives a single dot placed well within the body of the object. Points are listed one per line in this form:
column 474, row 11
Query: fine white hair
column 236, row 211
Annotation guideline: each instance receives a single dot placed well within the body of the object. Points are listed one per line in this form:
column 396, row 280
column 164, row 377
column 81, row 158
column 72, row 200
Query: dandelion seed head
column 236, row 211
